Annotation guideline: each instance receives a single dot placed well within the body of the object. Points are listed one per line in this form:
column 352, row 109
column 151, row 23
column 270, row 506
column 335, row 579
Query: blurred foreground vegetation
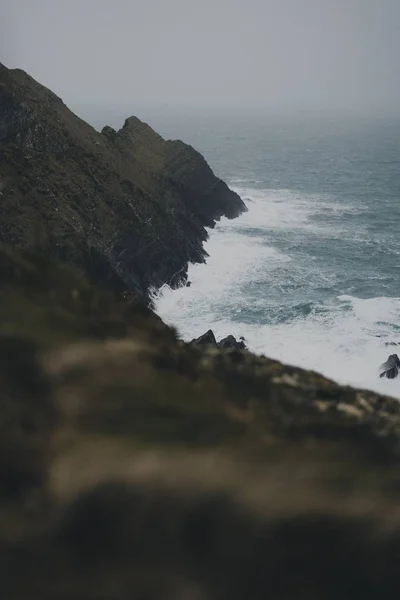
column 135, row 466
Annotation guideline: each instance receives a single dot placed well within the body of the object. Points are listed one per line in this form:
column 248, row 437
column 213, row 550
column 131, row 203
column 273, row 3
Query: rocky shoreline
column 132, row 464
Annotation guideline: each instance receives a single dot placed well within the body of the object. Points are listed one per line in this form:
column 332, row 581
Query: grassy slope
column 133, row 463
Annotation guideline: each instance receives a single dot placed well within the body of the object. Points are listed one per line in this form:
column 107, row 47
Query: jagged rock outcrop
column 125, row 206
column 207, row 339
column 228, row 342
column 231, row 342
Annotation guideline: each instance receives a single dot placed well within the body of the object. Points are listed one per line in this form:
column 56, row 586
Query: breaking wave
column 303, row 280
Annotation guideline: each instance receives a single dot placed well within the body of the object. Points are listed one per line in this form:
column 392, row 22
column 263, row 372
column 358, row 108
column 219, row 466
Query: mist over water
column 310, row 274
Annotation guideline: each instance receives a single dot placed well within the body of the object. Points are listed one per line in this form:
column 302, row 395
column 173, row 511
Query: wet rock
column 231, row 342
column 207, row 339
column 390, row 368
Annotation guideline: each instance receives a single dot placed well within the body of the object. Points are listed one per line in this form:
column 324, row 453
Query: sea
column 310, row 275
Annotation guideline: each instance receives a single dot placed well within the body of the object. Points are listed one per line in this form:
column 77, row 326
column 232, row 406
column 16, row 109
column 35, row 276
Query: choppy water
column 311, row 274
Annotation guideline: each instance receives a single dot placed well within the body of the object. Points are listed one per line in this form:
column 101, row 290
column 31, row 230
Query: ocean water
column 310, row 275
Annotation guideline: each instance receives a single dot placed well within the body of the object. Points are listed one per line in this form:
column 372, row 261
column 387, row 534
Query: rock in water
column 390, row 368
column 231, row 342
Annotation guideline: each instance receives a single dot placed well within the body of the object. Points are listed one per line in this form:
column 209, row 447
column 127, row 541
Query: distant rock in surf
column 390, row 368
column 208, row 339
column 231, row 342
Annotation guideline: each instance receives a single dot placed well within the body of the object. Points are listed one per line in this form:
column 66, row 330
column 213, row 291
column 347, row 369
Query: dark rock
column 207, row 339
column 126, row 207
column 188, row 283
column 390, row 368
column 109, row 133
column 231, row 342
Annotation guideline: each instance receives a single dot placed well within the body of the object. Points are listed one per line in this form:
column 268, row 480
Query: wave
column 260, row 283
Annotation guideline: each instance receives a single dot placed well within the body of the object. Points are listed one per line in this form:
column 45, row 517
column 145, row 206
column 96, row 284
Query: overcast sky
column 233, row 54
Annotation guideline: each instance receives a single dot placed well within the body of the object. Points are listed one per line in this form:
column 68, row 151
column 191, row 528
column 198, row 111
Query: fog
column 222, row 55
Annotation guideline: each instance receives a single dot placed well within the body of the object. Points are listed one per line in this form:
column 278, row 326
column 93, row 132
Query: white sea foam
column 345, row 342
column 342, row 346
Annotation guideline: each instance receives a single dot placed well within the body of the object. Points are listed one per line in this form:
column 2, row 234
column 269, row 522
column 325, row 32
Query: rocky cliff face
column 125, row 206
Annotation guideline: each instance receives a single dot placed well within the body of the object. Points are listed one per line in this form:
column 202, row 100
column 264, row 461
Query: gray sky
column 226, row 54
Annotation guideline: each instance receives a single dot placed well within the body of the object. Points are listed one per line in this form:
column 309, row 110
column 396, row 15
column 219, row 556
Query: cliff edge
column 127, row 207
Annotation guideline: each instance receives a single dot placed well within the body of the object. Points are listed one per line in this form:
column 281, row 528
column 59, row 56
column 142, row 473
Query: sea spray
column 262, row 282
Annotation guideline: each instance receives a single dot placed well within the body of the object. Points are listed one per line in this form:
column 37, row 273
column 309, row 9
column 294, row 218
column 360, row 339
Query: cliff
column 127, row 207
column 133, row 465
